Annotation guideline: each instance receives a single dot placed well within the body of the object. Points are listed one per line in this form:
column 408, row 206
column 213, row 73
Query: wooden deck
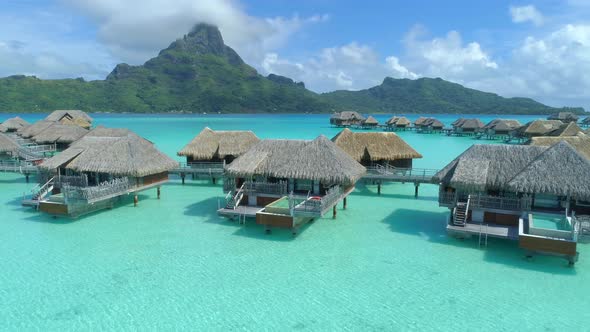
column 247, row 211
column 492, row 230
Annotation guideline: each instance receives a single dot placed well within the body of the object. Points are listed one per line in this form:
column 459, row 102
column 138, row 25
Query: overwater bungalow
column 209, row 152
column 457, row 122
column 286, row 183
column 580, row 142
column 585, row 123
column 370, row 123
column 97, row 170
column 538, row 128
column 35, row 128
column 564, row 117
column 346, row 119
column 376, row 149
column 13, row 125
column 398, row 123
column 76, row 117
column 60, row 134
column 467, row 126
column 8, row 148
column 428, row 125
column 537, row 198
column 500, row 127
column 566, row 129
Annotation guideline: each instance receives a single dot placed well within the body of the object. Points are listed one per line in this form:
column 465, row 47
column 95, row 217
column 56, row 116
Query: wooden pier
column 491, row 230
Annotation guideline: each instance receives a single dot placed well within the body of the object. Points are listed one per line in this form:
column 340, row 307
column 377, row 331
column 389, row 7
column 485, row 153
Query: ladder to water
column 460, row 213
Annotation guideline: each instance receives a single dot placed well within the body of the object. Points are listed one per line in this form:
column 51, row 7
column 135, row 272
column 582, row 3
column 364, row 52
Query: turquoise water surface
column 551, row 221
column 385, row 263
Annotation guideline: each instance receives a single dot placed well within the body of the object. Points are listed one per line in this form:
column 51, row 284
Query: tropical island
column 199, row 73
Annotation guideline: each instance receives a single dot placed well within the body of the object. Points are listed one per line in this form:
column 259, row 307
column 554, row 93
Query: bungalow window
column 303, row 185
column 546, row 201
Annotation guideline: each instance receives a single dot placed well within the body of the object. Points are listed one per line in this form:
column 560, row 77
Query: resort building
column 500, row 127
column 97, row 170
column 564, row 117
column 538, row 128
column 346, row 119
column 209, row 152
column 376, row 149
column 60, row 134
column 286, row 183
column 8, row 148
column 396, row 122
column 13, row 124
column 585, row 123
column 566, row 129
column 580, row 142
column 531, row 194
column 467, row 126
column 428, row 125
column 370, row 122
column 35, row 128
column 69, row 117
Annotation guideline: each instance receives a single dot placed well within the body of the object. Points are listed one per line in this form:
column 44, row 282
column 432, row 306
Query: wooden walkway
column 247, row 211
column 393, row 174
column 492, row 230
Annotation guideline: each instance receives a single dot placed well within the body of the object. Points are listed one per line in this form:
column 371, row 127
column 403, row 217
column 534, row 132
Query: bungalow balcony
column 485, row 201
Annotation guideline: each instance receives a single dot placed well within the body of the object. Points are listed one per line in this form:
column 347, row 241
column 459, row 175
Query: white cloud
column 526, row 14
column 135, row 30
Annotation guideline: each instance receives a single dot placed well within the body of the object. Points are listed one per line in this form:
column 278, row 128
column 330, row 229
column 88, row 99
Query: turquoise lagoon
column 385, row 263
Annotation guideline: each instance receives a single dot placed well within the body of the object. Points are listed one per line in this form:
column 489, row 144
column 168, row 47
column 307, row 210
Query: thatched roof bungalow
column 398, row 122
column 585, row 122
column 501, row 127
column 218, row 145
column 580, row 142
column 539, row 128
column 564, row 117
column 13, row 124
column 566, row 129
column 458, row 122
column 428, row 124
column 346, row 118
column 76, row 117
column 370, row 122
column 35, row 128
column 8, row 147
column 383, row 148
column 419, row 121
column 60, row 134
column 464, row 126
column 100, row 167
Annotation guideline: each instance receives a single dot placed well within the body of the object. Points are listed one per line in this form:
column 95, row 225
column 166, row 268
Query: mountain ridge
column 199, row 73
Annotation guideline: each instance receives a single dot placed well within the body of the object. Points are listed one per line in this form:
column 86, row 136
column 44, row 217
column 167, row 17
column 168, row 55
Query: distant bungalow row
column 537, row 195
column 559, row 124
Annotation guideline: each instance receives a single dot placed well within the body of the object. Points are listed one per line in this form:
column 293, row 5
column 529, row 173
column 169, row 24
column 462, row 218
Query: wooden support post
column 193, row 176
column 182, row 175
column 158, row 192
column 27, row 177
column 135, row 200
column 334, row 212
column 379, row 188
column 213, row 180
column 344, row 203
column 416, row 190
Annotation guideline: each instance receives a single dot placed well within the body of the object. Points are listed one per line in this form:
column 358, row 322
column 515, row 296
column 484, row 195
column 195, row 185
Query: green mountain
column 434, row 95
column 199, row 73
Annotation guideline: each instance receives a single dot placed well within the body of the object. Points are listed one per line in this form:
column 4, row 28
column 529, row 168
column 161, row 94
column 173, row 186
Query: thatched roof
column 586, row 121
column 470, row 124
column 209, row 144
column 7, row 144
column 503, row 125
column 371, row 121
column 3, row 129
column 80, row 122
column 484, row 167
column 431, row 122
column 566, row 129
column 419, row 121
column 348, row 115
column 564, row 117
column 114, row 151
column 68, row 114
column 398, row 121
column 319, row 159
column 14, row 124
column 60, row 133
column 376, row 146
column 559, row 170
column 540, row 127
column 35, row 129
column 458, row 122
column 580, row 142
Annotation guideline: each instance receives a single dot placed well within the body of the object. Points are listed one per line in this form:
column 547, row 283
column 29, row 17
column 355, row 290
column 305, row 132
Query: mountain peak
column 204, row 39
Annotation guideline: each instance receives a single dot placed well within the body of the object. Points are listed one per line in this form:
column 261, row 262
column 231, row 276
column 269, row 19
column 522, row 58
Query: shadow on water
column 19, row 179
column 431, row 226
column 207, row 211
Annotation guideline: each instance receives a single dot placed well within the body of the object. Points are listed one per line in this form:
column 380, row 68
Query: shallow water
column 384, row 264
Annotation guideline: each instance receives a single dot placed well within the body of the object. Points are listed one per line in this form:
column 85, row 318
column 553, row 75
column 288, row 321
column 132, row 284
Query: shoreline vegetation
column 198, row 74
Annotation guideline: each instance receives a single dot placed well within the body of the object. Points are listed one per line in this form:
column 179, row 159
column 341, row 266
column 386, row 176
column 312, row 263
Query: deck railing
column 511, row 203
column 423, row 174
column 210, row 167
column 72, row 180
column 279, row 188
column 317, row 206
column 104, row 190
column 20, row 166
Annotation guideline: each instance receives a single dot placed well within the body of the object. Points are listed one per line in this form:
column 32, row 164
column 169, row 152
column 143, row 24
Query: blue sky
column 538, row 49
